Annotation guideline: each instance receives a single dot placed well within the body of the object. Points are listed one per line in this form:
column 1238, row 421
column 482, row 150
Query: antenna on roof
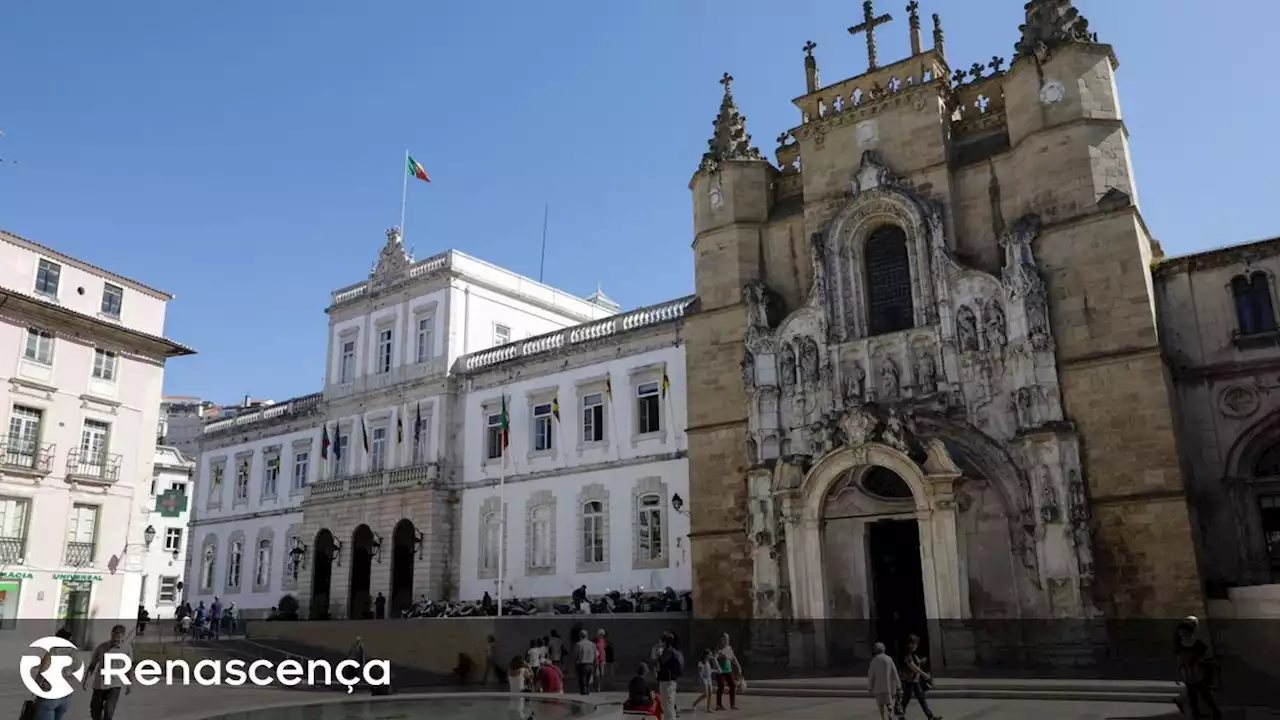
column 542, row 263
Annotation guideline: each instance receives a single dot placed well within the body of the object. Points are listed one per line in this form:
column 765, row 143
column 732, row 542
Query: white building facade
column 594, row 476
column 82, row 360
column 399, row 478
column 253, row 473
column 165, row 533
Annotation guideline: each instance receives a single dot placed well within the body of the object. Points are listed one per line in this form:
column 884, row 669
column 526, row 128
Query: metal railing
column 12, row 550
column 378, row 480
column 26, row 455
column 79, row 554
column 93, row 467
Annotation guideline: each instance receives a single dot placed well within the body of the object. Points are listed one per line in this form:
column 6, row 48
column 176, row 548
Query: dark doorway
column 321, row 574
column 403, row 543
column 359, row 602
column 897, row 584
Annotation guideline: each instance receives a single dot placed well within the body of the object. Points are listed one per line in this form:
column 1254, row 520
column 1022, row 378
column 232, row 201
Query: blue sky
column 247, row 156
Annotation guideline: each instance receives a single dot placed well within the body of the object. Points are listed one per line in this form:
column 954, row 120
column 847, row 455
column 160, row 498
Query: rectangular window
column 168, row 589
column 649, row 528
column 94, row 439
column 344, row 443
column 154, row 484
column 172, row 539
column 178, row 486
column 23, row 447
column 648, row 408
column 593, row 417
column 501, row 334
column 292, row 560
column 378, row 450
column 112, row 300
column 83, row 525
column 39, row 346
column 269, row 476
column 47, row 276
column 347, row 364
column 493, row 436
column 542, row 431
column 384, row 352
column 242, row 480
column 301, row 466
column 593, row 532
column 426, row 338
column 104, row 364
column 13, row 527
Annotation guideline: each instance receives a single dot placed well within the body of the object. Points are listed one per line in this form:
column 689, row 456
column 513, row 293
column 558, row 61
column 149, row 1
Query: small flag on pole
column 555, row 407
column 417, row 422
column 608, row 387
column 506, row 428
column 364, row 434
column 337, row 445
column 399, row 429
column 666, row 384
column 416, row 170
column 324, row 443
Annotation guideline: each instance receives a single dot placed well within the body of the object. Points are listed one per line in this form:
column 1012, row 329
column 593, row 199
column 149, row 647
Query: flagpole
column 404, row 189
column 542, row 263
column 502, row 521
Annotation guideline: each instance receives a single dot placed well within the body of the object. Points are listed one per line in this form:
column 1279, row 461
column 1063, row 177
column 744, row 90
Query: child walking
column 706, row 673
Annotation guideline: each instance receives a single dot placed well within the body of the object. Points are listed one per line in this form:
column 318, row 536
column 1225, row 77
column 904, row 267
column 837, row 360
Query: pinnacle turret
column 731, row 140
column 1051, row 24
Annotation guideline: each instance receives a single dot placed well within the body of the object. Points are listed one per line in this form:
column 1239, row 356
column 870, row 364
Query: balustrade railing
column 296, row 406
column 568, row 337
column 26, row 455
column 93, row 467
column 12, row 550
column 79, row 554
column 377, row 480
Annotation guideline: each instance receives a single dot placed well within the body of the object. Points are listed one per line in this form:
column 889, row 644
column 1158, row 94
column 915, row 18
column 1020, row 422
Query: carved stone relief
column 809, row 360
column 855, row 382
column 748, row 369
column 997, row 336
column 788, row 366
column 967, row 329
column 1239, row 401
column 889, row 378
column 926, row 370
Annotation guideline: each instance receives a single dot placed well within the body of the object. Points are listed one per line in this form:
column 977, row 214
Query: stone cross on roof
column 869, row 24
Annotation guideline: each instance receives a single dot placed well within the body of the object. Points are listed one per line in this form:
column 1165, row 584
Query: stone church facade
column 931, row 339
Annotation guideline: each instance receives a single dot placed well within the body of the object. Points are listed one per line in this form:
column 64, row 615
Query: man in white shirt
column 106, row 693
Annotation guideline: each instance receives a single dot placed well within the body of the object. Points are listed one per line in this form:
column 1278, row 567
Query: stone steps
column 976, row 688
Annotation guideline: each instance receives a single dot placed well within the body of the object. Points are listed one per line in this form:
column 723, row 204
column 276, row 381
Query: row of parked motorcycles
column 613, row 601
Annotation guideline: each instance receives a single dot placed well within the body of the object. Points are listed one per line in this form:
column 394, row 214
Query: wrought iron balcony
column 423, row 474
column 26, row 456
column 12, row 550
column 92, row 467
column 79, row 554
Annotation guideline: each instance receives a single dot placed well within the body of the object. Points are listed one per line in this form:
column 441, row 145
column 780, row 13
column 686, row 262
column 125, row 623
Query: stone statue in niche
column 809, row 360
column 748, row 369
column 889, row 379
column 926, row 371
column 1037, row 319
column 997, row 336
column 757, row 299
column 788, row 366
column 1079, row 504
column 895, row 435
column 753, row 453
column 1028, row 498
column 1024, row 399
column 1049, row 511
column 855, row 383
column 967, row 329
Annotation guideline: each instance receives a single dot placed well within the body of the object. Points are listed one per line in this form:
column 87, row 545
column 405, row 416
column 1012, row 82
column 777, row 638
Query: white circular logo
column 53, row 676
column 1052, row 92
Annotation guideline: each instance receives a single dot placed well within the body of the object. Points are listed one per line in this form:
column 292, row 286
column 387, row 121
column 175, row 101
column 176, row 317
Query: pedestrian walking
column 730, row 676
column 915, row 681
column 1197, row 669
column 670, row 667
column 883, row 681
column 584, row 661
column 601, row 656
column 102, row 705
column 706, row 675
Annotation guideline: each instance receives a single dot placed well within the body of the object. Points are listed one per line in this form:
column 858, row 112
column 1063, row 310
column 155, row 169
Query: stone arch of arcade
column 404, row 543
column 1252, row 510
column 324, row 551
column 365, row 546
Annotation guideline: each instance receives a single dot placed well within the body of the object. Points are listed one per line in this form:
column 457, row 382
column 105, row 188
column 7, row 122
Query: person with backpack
column 670, row 666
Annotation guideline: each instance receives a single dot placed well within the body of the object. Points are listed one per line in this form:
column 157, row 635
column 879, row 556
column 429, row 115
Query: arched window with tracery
column 888, row 273
column 1255, row 312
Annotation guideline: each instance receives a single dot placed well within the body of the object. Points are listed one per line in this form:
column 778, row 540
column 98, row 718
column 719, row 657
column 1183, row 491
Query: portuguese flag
column 416, row 170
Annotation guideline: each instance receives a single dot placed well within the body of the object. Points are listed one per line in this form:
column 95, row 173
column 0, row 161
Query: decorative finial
column 727, row 81
column 995, row 64
column 913, row 18
column 958, row 77
column 393, row 235
column 976, row 70
column 939, row 41
column 782, row 139
column 730, row 140
column 811, row 81
column 1051, row 24
column 869, row 24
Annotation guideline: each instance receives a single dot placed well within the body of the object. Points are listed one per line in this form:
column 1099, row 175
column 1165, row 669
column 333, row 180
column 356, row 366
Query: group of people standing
column 718, row 671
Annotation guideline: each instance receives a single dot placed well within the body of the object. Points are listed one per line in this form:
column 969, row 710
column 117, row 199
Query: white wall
column 221, row 519
column 477, row 310
column 621, row 465
column 403, row 318
column 159, row 562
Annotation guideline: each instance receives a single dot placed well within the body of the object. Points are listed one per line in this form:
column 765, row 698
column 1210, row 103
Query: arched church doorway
column 403, row 544
column 321, row 574
column 872, row 539
column 363, row 548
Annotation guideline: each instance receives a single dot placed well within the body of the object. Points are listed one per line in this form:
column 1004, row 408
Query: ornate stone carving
column 889, row 379
column 1239, row 401
column 857, row 427
column 788, row 367
column 748, row 369
column 1050, row 24
column 895, row 435
column 730, row 140
column 1049, row 510
column 997, row 336
column 1078, row 502
column 967, row 329
column 855, row 380
column 809, row 360
column 753, row 452
column 756, row 296
column 926, row 371
column 393, row 261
